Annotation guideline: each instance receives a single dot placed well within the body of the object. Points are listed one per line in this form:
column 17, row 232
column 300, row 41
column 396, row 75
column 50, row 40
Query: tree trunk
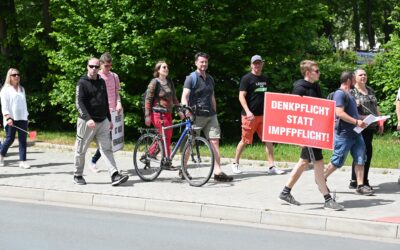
column 370, row 29
column 46, row 17
column 387, row 28
column 356, row 25
column 3, row 34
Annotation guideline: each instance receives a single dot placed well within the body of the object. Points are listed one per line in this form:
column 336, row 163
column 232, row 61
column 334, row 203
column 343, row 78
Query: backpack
column 346, row 102
column 346, row 98
column 156, row 92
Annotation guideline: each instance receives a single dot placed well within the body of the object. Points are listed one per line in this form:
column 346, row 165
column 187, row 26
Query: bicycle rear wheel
column 147, row 157
column 197, row 161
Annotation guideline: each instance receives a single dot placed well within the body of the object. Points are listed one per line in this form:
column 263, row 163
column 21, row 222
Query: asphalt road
column 38, row 226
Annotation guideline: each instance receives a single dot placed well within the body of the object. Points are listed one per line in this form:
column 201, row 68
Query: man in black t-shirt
column 253, row 85
column 308, row 86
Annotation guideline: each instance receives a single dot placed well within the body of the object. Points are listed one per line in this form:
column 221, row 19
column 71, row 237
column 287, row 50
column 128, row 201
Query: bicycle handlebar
column 191, row 109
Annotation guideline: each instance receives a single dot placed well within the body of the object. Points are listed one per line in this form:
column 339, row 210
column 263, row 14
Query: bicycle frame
column 188, row 126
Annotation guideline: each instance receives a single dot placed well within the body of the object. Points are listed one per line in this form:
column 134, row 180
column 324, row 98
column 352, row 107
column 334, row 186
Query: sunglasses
column 316, row 71
column 14, row 75
column 107, row 65
column 94, row 66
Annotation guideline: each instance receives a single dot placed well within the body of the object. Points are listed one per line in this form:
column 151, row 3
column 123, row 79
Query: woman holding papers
column 367, row 104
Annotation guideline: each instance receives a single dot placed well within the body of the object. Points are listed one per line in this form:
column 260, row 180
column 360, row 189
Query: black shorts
column 306, row 156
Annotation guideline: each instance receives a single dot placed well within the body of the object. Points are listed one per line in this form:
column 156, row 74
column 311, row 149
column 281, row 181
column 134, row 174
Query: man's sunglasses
column 94, row 66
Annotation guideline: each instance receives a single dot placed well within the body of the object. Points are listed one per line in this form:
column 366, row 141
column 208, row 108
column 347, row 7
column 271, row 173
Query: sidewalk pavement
column 252, row 196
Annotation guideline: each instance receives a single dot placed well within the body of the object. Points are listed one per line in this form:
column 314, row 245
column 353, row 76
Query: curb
column 202, row 210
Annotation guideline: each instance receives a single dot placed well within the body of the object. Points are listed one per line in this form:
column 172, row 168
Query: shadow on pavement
column 366, row 203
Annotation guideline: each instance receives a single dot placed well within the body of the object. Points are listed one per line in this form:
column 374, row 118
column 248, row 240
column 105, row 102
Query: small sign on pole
column 117, row 133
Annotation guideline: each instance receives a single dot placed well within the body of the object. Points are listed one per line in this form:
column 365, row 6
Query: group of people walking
column 97, row 95
column 354, row 101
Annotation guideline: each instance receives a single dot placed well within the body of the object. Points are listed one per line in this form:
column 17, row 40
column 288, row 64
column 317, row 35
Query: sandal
column 183, row 177
column 222, row 177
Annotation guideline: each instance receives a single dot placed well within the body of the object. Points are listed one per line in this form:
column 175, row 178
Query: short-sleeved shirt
column 202, row 93
column 255, row 86
column 344, row 128
column 113, row 87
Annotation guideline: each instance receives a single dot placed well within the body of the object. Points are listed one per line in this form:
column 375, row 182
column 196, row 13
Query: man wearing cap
column 253, row 85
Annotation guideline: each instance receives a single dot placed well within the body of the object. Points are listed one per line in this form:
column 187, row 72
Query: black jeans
column 96, row 156
column 368, row 135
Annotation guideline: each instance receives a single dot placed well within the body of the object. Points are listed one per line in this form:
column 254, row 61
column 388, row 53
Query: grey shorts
column 209, row 125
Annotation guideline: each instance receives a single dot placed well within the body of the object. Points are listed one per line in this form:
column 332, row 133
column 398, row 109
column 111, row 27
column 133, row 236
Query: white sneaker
column 235, row 168
column 93, row 167
column 23, row 164
column 275, row 170
column 1, row 161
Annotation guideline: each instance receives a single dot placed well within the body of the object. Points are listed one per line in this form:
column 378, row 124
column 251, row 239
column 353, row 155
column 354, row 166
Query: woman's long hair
column 157, row 68
column 7, row 82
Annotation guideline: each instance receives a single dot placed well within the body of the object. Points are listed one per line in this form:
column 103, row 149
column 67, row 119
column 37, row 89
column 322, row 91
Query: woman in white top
column 15, row 114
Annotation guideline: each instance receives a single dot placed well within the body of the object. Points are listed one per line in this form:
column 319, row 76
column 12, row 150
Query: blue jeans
column 10, row 137
column 343, row 145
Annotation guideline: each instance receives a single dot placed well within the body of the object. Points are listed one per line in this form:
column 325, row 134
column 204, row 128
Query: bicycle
column 197, row 158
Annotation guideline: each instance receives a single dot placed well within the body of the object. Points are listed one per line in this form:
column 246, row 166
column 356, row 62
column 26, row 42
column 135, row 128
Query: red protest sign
column 300, row 120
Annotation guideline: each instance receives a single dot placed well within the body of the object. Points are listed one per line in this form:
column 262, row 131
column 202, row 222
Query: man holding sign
column 309, row 87
column 253, row 85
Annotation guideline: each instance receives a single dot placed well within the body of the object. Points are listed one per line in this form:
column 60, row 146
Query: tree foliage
column 51, row 40
column 386, row 71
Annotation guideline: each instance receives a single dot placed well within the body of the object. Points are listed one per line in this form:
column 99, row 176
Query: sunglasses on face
column 107, row 65
column 14, row 75
column 316, row 71
column 94, row 66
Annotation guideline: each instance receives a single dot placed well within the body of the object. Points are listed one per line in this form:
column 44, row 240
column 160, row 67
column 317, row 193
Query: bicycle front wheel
column 197, row 161
column 147, row 157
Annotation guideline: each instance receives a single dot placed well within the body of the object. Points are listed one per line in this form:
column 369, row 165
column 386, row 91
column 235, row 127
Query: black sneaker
column 289, row 199
column 353, row 184
column 118, row 178
column 79, row 180
column 169, row 167
column 222, row 177
column 367, row 184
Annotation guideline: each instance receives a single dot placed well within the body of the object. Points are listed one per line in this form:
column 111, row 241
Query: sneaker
column 117, row 179
column 93, row 167
column 333, row 205
column 79, row 180
column 275, row 170
column 169, row 167
column 353, row 184
column 183, row 177
column 364, row 190
column 367, row 184
column 289, row 199
column 222, row 177
column 235, row 168
column 23, row 164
